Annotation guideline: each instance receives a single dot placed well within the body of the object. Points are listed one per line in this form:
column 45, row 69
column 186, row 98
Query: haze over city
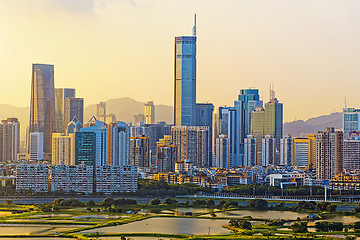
column 111, row 49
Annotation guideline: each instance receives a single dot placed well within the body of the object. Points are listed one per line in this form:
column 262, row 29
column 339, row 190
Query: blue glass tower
column 248, row 100
column 204, row 117
column 85, row 148
column 185, row 80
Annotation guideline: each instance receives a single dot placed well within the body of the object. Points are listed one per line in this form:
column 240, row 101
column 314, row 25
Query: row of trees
column 311, row 205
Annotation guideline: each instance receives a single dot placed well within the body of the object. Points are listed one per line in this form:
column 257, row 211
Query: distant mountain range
column 126, row 108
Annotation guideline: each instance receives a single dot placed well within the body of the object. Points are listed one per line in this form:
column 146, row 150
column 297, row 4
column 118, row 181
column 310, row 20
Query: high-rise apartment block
column 286, row 151
column 63, row 149
column 268, row 151
column 204, row 117
column 185, row 80
column 166, row 155
column 36, row 146
column 74, row 110
column 9, row 139
column 250, row 151
column 42, row 105
column 222, row 152
column 61, row 94
column 192, row 143
column 329, row 153
column 139, row 151
column 351, row 154
column 149, row 112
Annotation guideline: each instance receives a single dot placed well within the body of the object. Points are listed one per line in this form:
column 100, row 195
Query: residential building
column 36, row 146
column 149, row 112
column 9, row 139
column 250, row 154
column 351, row 154
column 61, row 94
column 185, row 80
column 114, row 179
column 101, row 111
column 329, row 153
column 222, row 152
column 192, row 144
column 72, row 178
column 63, row 149
column 303, row 155
column 138, row 119
column 166, row 154
column 344, row 181
column 34, row 178
column 204, row 117
column 268, row 151
column 42, row 105
column 139, row 151
column 286, row 150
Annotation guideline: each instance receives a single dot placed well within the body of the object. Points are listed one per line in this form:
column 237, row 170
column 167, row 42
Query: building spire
column 194, row 27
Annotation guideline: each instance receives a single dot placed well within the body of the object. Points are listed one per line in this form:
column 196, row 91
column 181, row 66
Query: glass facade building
column 204, row 117
column 185, row 81
column 85, row 148
column 351, row 120
column 42, row 104
column 61, row 94
column 74, row 108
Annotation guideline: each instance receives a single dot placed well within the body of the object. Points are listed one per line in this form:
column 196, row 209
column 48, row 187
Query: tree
column 169, row 201
column 120, row 201
column 356, row 225
column 91, row 203
column 210, row 202
column 299, row 227
column 130, row 202
column 331, row 207
column 107, row 202
column 8, row 202
column 258, row 203
column 155, row 201
column 246, row 225
column 234, row 223
column 349, row 237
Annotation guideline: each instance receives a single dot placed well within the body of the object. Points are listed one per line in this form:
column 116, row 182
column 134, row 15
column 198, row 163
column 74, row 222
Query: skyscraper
column 101, row 111
column 42, row 104
column 61, row 94
column 248, row 100
column 9, row 139
column 185, row 80
column 74, row 107
column 118, row 144
column 149, row 112
column 85, row 148
column 63, row 149
column 204, row 117
column 351, row 120
column 36, row 146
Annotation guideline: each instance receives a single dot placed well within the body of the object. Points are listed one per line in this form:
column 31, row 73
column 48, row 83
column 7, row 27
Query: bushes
column 258, row 203
column 325, row 226
column 246, row 225
column 299, row 227
column 155, row 201
column 321, row 206
column 169, row 201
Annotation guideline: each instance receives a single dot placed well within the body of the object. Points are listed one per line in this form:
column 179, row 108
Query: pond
column 168, row 225
column 23, row 229
column 269, row 214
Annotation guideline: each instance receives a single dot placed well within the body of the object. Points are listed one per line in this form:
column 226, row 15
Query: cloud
column 78, row 6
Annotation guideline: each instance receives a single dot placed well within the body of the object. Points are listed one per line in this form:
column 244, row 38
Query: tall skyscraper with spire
column 42, row 105
column 185, row 80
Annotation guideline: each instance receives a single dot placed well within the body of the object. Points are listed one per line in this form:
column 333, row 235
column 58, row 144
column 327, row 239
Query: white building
column 250, row 151
column 77, row 178
column 63, row 149
column 112, row 179
column 222, row 151
column 36, row 145
column 32, row 177
column 283, row 180
column 286, row 150
column 118, row 144
column 268, row 151
column 351, row 154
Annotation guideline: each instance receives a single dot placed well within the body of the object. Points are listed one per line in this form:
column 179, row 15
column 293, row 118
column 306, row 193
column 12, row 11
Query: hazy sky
column 310, row 49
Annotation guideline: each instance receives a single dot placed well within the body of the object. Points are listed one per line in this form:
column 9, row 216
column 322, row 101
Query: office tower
column 138, row 119
column 268, row 150
column 60, row 96
column 165, row 155
column 286, row 150
column 74, row 109
column 185, row 80
column 63, row 149
column 352, row 135
column 73, row 126
column 36, row 146
column 139, row 154
column 312, row 162
column 204, row 117
column 228, row 125
column 113, row 179
column 118, row 144
column 250, row 153
column 351, row 120
column 101, row 111
column 222, row 151
column 268, row 121
column 302, row 152
column 32, row 177
column 215, row 132
column 329, row 153
column 248, row 100
column 100, row 130
column 192, row 144
column 72, row 178
column 85, row 148
column 352, row 154
column 149, row 112
column 9, row 139
column 42, row 105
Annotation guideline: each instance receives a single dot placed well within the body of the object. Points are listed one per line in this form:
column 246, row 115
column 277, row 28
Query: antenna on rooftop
column 345, row 103
column 272, row 92
column 194, row 27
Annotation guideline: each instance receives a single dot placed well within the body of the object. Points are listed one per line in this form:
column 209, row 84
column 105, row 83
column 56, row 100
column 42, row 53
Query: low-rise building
column 345, row 181
column 286, row 179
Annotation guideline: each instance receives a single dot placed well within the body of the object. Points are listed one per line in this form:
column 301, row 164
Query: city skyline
column 302, row 45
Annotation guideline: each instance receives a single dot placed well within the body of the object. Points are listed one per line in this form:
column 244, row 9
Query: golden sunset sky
column 310, row 49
